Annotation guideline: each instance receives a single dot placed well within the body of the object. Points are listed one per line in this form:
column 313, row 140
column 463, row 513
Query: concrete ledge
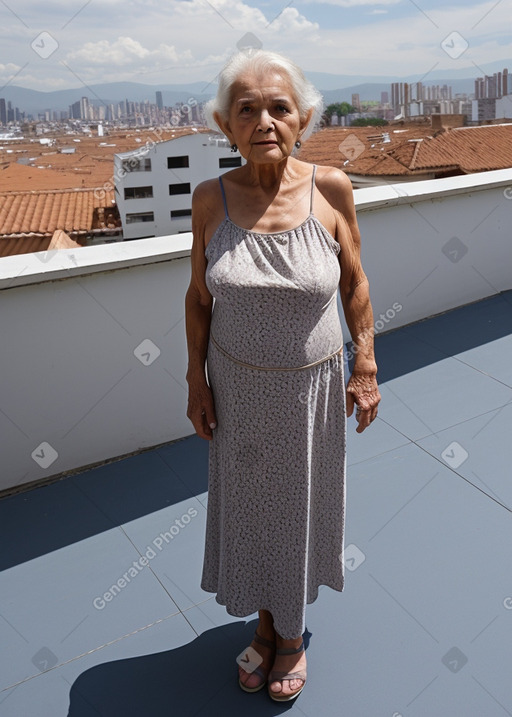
column 419, row 191
column 56, row 264
column 53, row 265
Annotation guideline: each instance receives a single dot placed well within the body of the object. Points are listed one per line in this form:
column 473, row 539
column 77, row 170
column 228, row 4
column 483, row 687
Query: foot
column 288, row 663
column 252, row 680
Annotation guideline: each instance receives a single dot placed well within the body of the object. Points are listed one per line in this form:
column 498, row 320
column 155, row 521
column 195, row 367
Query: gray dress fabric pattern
column 276, row 484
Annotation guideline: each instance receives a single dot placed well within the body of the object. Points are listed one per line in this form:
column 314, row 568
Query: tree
column 368, row 122
column 338, row 108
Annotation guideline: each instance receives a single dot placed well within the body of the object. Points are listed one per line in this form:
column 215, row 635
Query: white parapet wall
column 93, row 355
column 434, row 245
column 93, row 349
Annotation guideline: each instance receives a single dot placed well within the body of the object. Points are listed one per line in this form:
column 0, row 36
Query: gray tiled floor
column 428, row 542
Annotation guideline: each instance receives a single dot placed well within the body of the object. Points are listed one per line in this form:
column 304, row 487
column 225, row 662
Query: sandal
column 245, row 658
column 280, row 675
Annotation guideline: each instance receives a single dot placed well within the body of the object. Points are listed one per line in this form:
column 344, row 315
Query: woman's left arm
column 362, row 388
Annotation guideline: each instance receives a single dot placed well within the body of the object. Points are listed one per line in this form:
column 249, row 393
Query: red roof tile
column 413, row 150
column 473, row 149
column 28, row 244
column 71, row 210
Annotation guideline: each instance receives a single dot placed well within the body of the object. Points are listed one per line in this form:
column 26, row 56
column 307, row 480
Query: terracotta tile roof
column 473, row 149
column 19, row 177
column 331, row 146
column 413, row 150
column 91, row 165
column 40, row 214
column 32, row 243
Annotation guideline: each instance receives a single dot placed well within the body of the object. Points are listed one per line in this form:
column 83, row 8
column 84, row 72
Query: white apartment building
column 154, row 183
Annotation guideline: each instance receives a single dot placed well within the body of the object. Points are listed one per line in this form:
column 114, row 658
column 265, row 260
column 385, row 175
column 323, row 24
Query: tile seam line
column 445, row 356
column 89, row 652
column 467, row 420
column 502, row 505
column 483, row 373
column 431, row 455
column 434, row 346
column 176, row 474
column 436, row 434
column 121, row 527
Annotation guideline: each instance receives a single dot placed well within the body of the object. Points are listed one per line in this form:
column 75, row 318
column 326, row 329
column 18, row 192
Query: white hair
column 306, row 95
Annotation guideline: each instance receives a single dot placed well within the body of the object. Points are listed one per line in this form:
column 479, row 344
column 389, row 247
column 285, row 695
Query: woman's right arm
column 198, row 309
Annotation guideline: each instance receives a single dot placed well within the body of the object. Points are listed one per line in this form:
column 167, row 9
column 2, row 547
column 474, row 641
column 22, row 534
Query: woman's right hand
column 201, row 410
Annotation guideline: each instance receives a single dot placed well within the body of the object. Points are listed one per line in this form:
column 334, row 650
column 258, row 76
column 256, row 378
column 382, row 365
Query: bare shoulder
column 205, row 194
column 336, row 188
column 206, row 205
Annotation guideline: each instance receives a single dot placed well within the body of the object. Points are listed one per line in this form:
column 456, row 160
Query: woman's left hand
column 362, row 390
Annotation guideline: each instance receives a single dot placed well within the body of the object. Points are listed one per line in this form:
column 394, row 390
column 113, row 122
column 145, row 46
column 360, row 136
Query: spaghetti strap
column 224, row 197
column 312, row 189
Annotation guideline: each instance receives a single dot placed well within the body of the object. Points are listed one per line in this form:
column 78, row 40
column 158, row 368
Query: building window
column 177, row 162
column 230, row 162
column 140, row 217
column 136, row 164
column 138, row 192
column 180, row 213
column 182, row 188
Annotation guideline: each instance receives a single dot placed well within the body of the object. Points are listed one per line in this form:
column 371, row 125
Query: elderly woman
column 272, row 242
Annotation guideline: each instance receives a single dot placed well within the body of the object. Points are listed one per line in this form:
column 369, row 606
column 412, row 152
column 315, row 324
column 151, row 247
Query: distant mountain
column 329, row 81
column 372, row 90
column 335, row 87
column 33, row 101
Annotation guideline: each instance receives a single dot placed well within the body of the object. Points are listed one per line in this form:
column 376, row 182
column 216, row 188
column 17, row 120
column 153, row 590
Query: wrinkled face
column 264, row 117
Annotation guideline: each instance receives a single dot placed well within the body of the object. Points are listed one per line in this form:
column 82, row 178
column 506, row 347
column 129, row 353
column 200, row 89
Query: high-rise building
column 384, row 98
column 74, row 110
column 3, row 111
column 84, row 108
column 356, row 102
column 159, row 100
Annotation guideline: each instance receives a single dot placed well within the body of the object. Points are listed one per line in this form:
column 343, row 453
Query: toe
column 291, row 686
column 249, row 679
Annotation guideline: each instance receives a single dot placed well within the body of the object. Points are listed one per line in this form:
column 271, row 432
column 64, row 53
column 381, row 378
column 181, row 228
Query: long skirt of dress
column 276, row 489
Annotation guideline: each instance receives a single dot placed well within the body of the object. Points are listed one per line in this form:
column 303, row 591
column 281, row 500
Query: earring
column 234, row 148
column 298, row 143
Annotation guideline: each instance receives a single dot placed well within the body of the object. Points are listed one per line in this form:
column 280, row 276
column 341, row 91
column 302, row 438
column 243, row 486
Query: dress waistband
column 275, row 368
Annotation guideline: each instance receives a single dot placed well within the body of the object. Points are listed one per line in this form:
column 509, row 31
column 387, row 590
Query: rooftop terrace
column 427, row 552
column 93, row 361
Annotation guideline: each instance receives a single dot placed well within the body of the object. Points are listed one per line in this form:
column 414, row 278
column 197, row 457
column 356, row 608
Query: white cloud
column 232, row 13
column 195, row 46
column 9, row 69
column 412, row 44
column 354, row 3
column 125, row 51
column 291, row 22
column 178, row 41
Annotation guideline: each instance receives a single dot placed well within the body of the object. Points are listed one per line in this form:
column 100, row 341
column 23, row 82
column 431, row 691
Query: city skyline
column 54, row 46
column 487, row 86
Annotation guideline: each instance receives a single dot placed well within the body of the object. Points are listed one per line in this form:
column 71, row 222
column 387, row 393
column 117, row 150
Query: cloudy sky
column 57, row 45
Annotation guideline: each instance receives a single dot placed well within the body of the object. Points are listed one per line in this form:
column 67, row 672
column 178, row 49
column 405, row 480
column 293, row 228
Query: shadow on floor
column 198, row 679
column 421, row 344
column 100, row 499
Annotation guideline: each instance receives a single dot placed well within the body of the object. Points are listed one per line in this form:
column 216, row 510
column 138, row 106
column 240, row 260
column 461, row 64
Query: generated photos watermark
column 133, row 162
column 356, row 346
column 379, row 325
column 100, row 602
